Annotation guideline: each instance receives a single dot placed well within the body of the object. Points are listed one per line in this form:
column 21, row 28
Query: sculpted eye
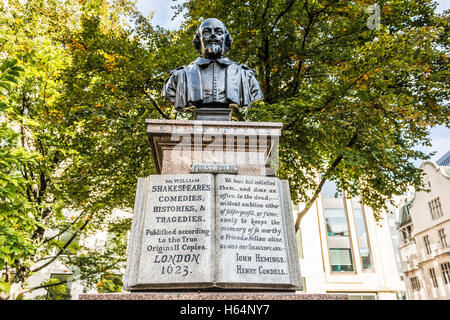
column 219, row 31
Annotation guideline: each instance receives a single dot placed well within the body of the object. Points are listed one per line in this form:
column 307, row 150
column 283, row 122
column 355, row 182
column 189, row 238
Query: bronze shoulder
column 177, row 69
column 252, row 71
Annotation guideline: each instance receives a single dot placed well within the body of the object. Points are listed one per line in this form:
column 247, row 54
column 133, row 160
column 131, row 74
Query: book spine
column 132, row 268
column 215, row 218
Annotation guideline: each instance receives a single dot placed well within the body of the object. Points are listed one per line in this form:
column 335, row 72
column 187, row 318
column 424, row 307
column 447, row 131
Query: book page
column 177, row 230
column 251, row 241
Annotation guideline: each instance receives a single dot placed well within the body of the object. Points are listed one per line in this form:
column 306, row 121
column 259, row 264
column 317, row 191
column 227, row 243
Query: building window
column 362, row 296
column 404, row 236
column 330, row 191
column 426, row 241
column 435, row 208
column 339, row 244
column 409, row 231
column 363, row 239
column 415, row 284
column 445, row 268
column 433, row 277
column 442, row 238
column 407, row 236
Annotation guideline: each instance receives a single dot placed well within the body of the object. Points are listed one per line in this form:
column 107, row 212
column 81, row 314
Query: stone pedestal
column 215, row 218
column 215, row 114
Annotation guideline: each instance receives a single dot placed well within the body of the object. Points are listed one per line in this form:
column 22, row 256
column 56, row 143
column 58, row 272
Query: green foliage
column 9, row 73
column 79, row 106
column 17, row 214
column 97, row 264
column 110, row 283
column 54, row 291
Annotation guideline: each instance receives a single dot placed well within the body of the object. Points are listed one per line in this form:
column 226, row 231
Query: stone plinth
column 212, row 296
column 215, row 114
column 177, row 144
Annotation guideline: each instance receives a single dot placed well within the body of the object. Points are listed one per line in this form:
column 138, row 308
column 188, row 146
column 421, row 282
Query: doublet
column 212, row 83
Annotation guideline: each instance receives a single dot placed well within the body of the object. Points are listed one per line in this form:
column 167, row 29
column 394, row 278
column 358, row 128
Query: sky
column 162, row 16
column 162, row 12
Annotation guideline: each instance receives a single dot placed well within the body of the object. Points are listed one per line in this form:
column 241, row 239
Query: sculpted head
column 212, row 39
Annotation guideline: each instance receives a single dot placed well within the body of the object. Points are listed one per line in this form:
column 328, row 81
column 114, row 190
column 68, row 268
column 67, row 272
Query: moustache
column 213, row 42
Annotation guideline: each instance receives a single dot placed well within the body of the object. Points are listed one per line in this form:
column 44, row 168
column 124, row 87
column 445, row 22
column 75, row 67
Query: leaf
column 3, row 106
column 5, row 85
column 17, row 68
column 5, row 250
column 4, row 286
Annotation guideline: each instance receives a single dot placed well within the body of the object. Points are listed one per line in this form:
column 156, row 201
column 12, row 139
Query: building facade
column 444, row 161
column 343, row 249
column 423, row 228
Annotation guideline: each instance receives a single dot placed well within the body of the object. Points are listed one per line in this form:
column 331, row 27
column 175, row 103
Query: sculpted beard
column 214, row 49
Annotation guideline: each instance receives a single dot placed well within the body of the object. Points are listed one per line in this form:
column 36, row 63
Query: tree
column 17, row 214
column 354, row 100
column 80, row 106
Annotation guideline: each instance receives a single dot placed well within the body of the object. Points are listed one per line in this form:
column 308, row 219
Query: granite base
column 212, row 296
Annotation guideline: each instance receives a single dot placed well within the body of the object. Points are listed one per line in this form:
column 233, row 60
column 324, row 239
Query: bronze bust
column 212, row 83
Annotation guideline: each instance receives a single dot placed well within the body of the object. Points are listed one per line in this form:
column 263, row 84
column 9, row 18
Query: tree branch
column 282, row 13
column 41, row 287
column 61, row 251
column 7, row 275
column 64, row 230
column 301, row 62
column 265, row 10
column 324, row 178
column 311, row 21
column 156, row 106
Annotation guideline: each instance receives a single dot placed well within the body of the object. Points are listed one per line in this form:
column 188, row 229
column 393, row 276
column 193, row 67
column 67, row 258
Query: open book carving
column 204, row 231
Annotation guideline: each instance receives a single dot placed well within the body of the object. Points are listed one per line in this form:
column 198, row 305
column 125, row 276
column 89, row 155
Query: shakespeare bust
column 212, row 83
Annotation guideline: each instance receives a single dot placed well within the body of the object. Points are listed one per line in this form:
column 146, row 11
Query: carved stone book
column 205, row 231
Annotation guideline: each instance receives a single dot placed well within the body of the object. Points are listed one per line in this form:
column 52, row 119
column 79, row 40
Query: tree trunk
column 14, row 291
column 308, row 206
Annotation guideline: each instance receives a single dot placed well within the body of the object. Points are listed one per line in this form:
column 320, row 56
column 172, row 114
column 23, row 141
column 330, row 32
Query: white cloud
column 162, row 12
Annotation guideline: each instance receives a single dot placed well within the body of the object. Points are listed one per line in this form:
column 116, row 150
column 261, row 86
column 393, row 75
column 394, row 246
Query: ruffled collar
column 205, row 61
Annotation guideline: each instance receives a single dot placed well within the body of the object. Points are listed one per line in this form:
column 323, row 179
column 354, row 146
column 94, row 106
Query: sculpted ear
column 196, row 42
column 228, row 42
